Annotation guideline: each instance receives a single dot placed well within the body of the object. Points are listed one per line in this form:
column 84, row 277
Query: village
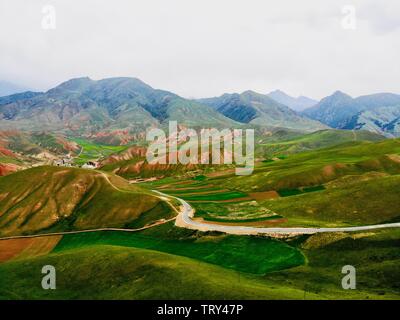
column 68, row 161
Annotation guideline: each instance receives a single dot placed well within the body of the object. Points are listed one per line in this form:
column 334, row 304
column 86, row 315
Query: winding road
column 185, row 216
column 184, row 219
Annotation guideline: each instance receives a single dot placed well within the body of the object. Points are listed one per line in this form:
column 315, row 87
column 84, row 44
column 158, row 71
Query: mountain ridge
column 377, row 112
column 259, row 109
column 86, row 106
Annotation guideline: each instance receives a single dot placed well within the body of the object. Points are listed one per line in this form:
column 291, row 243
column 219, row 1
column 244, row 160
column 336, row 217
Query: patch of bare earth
column 264, row 195
column 7, row 168
column 26, row 247
column 394, row 157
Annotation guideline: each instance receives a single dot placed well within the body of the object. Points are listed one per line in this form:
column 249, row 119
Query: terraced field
column 213, row 203
column 352, row 184
column 91, row 151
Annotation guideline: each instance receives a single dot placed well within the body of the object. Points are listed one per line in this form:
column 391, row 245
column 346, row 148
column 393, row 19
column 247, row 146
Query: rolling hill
column 45, row 199
column 311, row 141
column 20, row 149
column 114, row 266
column 257, row 109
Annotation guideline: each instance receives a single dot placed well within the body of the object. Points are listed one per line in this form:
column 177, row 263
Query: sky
column 202, row 48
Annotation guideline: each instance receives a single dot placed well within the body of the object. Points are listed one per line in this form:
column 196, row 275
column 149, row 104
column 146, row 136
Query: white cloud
column 206, row 47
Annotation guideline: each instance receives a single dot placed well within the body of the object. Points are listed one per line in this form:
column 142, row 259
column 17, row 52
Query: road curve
column 184, row 219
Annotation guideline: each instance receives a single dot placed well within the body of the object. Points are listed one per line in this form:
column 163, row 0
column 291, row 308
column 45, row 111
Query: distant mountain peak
column 74, row 84
column 373, row 112
column 297, row 104
column 339, row 93
column 277, row 91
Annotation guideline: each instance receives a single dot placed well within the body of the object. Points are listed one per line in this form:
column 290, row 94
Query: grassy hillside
column 354, row 183
column 112, row 272
column 315, row 140
column 356, row 200
column 104, row 271
column 19, row 150
column 91, row 151
column 59, row 199
column 246, row 254
column 319, row 166
column 374, row 254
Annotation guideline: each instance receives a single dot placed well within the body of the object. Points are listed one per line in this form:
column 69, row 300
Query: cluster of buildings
column 67, row 161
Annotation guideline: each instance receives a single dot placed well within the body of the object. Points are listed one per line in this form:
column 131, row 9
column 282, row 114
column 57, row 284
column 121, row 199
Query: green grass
column 359, row 202
column 178, row 192
column 246, row 211
column 313, row 168
column 101, row 271
column 112, row 272
column 374, row 254
column 12, row 160
column 94, row 151
column 246, row 254
column 293, row 192
column 215, row 196
column 316, row 140
column 200, row 178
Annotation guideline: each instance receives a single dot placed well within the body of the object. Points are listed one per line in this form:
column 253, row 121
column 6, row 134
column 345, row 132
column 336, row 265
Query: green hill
column 315, row 140
column 353, row 200
column 320, row 166
column 104, row 271
column 112, row 272
column 45, row 199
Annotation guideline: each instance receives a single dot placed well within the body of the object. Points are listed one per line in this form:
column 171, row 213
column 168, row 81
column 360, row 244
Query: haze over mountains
column 297, row 104
column 8, row 88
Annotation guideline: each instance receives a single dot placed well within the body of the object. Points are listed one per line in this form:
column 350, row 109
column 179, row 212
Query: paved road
column 184, row 219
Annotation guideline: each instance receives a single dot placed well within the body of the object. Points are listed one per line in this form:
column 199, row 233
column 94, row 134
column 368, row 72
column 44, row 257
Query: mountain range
column 126, row 107
column 379, row 112
column 106, row 107
column 121, row 109
column 259, row 109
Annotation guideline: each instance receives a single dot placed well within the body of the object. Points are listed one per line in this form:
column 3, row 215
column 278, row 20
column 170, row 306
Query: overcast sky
column 200, row 48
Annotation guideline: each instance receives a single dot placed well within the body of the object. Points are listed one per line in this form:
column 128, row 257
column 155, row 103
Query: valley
column 78, row 193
